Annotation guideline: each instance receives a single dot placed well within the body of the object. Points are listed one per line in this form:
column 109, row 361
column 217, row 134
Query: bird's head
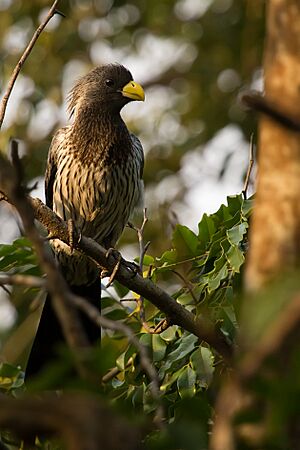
column 107, row 87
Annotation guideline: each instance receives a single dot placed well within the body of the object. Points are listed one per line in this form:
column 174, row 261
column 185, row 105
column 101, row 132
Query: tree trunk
column 275, row 230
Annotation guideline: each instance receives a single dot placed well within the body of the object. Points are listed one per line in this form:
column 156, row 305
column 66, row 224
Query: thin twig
column 272, row 340
column 112, row 373
column 187, row 284
column 159, row 328
column 249, row 169
column 23, row 58
column 103, row 322
column 5, row 289
column 143, row 249
column 23, row 280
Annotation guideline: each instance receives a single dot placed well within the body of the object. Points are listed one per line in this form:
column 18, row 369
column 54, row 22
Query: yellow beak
column 134, row 91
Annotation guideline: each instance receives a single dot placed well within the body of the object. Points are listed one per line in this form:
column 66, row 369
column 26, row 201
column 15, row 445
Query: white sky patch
column 43, row 119
column 16, row 37
column 203, row 177
column 201, row 173
column 191, row 9
column 23, row 88
column 9, row 229
column 4, row 4
column 8, row 314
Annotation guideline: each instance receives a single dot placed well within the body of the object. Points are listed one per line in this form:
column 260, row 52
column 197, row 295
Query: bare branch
column 176, row 313
column 23, row 58
column 249, row 169
column 273, row 339
column 143, row 249
column 187, row 284
column 257, row 102
column 23, row 280
column 103, row 322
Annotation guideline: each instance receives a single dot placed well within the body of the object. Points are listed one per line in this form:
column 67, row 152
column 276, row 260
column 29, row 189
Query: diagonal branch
column 23, row 58
column 263, row 105
column 176, row 313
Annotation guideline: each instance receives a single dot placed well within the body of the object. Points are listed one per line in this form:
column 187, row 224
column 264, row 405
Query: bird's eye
column 109, row 83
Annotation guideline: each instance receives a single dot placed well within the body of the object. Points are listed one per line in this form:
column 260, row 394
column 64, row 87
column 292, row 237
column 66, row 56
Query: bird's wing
column 139, row 153
column 51, row 167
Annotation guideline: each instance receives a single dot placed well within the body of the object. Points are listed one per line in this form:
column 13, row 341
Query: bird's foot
column 135, row 268
column 118, row 257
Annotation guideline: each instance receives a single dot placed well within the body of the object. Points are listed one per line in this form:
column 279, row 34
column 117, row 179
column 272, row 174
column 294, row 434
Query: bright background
column 193, row 57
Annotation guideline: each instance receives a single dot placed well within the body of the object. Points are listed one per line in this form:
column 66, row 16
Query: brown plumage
column 94, row 177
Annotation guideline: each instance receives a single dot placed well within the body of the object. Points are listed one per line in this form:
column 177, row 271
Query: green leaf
column 206, row 229
column 247, row 207
column 186, row 345
column 169, row 334
column 168, row 257
column 170, row 379
column 185, row 242
column 186, row 382
column 11, row 377
column 234, row 203
column 202, row 362
column 219, row 273
column 120, row 289
column 159, row 347
column 235, row 234
column 148, row 260
column 235, row 258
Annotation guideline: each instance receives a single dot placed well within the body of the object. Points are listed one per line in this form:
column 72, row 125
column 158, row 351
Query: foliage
column 204, row 270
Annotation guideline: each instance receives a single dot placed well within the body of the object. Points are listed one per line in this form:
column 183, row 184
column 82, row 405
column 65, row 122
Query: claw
column 135, row 268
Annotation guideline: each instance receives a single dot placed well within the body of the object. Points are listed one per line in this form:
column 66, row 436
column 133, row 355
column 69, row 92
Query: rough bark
column 275, row 230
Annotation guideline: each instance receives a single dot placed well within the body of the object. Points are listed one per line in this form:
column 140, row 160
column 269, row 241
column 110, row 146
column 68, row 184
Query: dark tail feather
column 49, row 334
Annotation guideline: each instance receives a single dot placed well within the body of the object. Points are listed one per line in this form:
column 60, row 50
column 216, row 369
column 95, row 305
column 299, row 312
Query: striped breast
column 99, row 198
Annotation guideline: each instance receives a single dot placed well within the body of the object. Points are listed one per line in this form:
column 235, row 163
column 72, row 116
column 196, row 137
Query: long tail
column 49, row 334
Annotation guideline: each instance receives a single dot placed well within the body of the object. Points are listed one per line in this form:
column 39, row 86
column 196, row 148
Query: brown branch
column 23, row 58
column 143, row 248
column 112, row 373
column 272, row 340
column 23, row 280
column 259, row 103
column 187, row 284
column 103, row 322
column 176, row 313
column 249, row 169
column 83, row 422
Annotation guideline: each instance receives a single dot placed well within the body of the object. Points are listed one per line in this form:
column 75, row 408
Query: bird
column 94, row 178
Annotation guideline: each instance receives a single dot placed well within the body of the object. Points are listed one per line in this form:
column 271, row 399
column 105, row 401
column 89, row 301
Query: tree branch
column 82, row 421
column 23, row 58
column 261, row 104
column 177, row 314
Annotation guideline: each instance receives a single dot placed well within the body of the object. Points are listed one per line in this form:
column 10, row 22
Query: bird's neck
column 97, row 134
